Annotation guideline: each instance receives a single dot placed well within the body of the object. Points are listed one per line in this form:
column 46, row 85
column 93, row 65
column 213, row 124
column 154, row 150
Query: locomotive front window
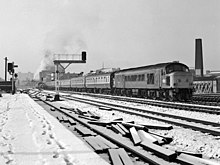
column 176, row 67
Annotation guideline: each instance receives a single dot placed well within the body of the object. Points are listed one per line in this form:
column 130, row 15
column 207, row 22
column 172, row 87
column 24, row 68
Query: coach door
column 123, row 81
column 157, row 78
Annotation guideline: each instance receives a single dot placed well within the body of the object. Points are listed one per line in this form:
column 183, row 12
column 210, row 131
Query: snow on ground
column 183, row 139
column 30, row 135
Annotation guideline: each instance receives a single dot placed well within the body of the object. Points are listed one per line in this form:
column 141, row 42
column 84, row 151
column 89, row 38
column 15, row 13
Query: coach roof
column 160, row 65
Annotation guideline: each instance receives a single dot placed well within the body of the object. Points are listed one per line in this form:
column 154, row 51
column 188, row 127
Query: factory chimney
column 199, row 58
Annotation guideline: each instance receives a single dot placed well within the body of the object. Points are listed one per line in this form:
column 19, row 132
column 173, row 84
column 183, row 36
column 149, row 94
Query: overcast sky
column 118, row 33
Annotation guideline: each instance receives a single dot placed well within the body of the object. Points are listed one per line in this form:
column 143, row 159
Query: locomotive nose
column 182, row 80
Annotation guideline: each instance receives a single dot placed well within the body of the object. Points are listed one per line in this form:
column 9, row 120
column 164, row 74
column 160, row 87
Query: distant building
column 25, row 76
column 213, row 72
column 24, row 79
column 48, row 73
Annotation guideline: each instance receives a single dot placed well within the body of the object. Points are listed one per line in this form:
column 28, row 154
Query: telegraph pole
column 6, row 65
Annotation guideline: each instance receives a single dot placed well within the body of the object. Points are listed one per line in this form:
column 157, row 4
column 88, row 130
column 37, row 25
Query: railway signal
column 11, row 71
column 83, row 56
column 11, row 67
column 68, row 59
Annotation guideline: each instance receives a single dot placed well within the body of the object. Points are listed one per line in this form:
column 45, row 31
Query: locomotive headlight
column 164, row 81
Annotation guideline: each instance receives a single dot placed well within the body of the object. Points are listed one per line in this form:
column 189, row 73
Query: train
column 166, row 81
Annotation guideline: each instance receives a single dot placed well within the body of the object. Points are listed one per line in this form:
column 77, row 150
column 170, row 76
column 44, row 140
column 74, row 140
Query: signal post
column 11, row 71
column 68, row 59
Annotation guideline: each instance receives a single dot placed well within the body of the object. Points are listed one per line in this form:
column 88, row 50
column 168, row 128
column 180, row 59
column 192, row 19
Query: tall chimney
column 199, row 58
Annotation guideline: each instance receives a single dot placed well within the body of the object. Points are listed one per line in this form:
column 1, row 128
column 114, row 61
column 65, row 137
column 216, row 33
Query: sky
column 116, row 33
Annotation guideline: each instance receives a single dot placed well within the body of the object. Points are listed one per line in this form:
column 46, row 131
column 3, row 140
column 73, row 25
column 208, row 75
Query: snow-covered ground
column 183, row 139
column 29, row 135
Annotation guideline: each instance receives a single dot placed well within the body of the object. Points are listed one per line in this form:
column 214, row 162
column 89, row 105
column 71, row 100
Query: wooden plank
column 167, row 140
column 135, row 137
column 129, row 125
column 71, row 109
column 81, row 112
column 118, row 119
column 160, row 140
column 113, row 128
column 117, row 129
column 108, row 143
column 114, row 156
column 101, row 143
column 94, row 115
column 157, row 126
column 72, row 122
column 192, row 160
column 115, row 122
column 65, row 119
column 146, row 136
column 189, row 153
column 84, row 131
column 124, row 157
column 88, row 118
column 160, row 151
column 90, row 140
column 101, row 123
column 123, row 128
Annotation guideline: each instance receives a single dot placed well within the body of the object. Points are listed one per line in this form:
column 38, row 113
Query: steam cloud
column 69, row 29
column 60, row 44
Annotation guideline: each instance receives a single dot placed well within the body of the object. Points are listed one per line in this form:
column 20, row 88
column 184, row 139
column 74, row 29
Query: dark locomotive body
column 168, row 81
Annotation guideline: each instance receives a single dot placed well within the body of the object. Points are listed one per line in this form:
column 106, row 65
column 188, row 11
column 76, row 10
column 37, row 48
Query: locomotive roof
column 159, row 65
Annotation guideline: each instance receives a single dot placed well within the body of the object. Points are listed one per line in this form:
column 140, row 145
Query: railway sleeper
column 160, row 151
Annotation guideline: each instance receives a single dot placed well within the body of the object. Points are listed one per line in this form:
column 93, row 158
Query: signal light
column 16, row 75
column 83, row 56
column 10, row 67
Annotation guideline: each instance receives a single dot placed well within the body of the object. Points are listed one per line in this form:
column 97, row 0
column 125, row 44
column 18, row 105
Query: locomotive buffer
column 68, row 59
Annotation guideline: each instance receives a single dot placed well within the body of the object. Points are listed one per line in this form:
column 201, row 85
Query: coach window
column 150, row 78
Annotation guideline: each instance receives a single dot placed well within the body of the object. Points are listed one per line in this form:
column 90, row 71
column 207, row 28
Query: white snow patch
column 29, row 135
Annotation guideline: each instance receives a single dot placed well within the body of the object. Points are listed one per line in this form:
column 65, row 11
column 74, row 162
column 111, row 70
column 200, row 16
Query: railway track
column 207, row 99
column 165, row 104
column 134, row 150
column 195, row 124
column 107, row 134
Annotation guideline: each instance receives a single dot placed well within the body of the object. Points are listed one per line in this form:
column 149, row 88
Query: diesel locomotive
column 165, row 81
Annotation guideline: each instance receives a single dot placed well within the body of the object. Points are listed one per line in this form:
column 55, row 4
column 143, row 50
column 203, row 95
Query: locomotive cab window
column 176, row 67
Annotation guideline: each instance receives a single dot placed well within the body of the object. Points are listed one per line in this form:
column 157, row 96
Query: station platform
column 30, row 135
